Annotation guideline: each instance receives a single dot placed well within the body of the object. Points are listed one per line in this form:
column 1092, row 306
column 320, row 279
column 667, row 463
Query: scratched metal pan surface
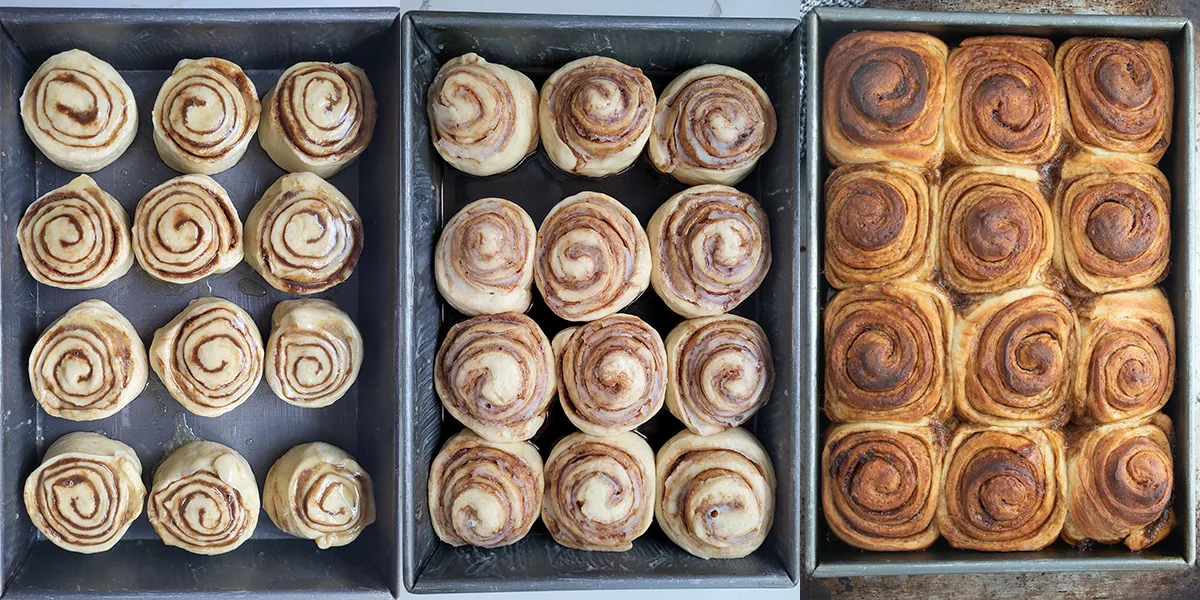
column 770, row 50
column 825, row 556
column 144, row 46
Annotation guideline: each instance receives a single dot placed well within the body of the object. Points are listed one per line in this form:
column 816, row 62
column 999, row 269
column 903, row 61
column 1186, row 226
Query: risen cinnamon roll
column 1114, row 224
column 483, row 493
column 1002, row 102
column 880, row 485
column 711, row 125
column 720, row 372
column 1120, row 95
column 88, row 364
column 76, row 237
column 883, row 98
column 187, row 229
column 1003, row 489
column 482, row 116
column 318, row 118
column 303, row 236
column 314, row 352
column 79, row 112
column 710, row 249
column 317, row 491
column 612, row 375
column 880, row 222
column 205, row 115
column 716, row 494
column 484, row 259
column 592, row 257
column 495, row 374
column 1120, row 481
column 595, row 116
column 209, row 357
column 997, row 230
column 599, row 491
column 204, row 499
column 86, row 492
column 885, row 353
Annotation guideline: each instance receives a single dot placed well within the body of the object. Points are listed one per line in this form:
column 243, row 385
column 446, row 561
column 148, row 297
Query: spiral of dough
column 319, row 492
column 187, row 229
column 204, row 499
column 76, row 237
column 483, row 262
column 720, row 372
column 205, row 115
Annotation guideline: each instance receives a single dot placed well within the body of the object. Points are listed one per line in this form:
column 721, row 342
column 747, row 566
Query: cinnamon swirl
column 314, row 352
column 719, row 372
column 187, row 229
column 484, row 258
column 318, row 492
column 204, row 499
column 76, row 237
column 205, row 115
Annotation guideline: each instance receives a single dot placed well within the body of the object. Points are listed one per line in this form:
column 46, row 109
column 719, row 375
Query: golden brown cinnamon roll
column 711, row 125
column 880, row 222
column 1120, row 95
column 482, row 116
column 997, row 230
column 76, row 237
column 86, row 492
column 187, row 229
column 205, row 115
column 483, row 493
column 317, row 491
column 716, row 494
column 885, row 353
column 880, row 485
column 495, row 374
column 484, row 258
column 303, row 236
column 318, row 118
column 79, row 112
column 204, row 499
column 592, row 257
column 599, row 491
column 88, row 364
column 883, row 98
column 1114, row 224
column 314, row 352
column 595, row 116
column 1003, row 489
column 719, row 372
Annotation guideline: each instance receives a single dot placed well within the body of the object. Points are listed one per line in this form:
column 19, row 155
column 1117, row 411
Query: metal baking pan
column 770, row 50
column 825, row 556
column 144, row 46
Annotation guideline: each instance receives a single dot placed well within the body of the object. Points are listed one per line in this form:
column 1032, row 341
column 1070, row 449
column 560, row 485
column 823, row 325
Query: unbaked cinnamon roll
column 1003, row 489
column 592, row 257
column 88, row 364
column 880, row 485
column 484, row 494
column 880, row 224
column 612, row 375
column 719, row 372
column 318, row 492
column 79, row 112
column 318, row 118
column 76, row 237
column 204, row 499
column 86, row 492
column 187, row 229
column 883, row 98
column 484, row 258
column 716, row 494
column 209, row 357
column 599, row 491
column 885, row 353
column 314, row 352
column 1120, row 95
column 303, row 236
column 710, row 249
column 711, row 125
column 495, row 374
column 482, row 116
column 205, row 115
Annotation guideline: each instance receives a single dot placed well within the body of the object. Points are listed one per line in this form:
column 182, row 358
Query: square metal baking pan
column 144, row 45
column 770, row 50
column 825, row 556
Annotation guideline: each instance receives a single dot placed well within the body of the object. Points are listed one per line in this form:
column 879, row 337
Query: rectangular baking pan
column 825, row 556
column 144, row 45
column 770, row 50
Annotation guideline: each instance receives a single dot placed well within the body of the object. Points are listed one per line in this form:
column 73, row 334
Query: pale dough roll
column 720, row 372
column 317, row 491
column 314, row 352
column 187, row 229
column 205, row 115
column 76, row 237
column 483, row 262
column 204, row 499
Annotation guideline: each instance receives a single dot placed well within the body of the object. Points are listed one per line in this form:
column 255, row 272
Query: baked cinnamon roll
column 484, row 258
column 204, row 499
column 711, row 125
column 187, row 229
column 318, row 492
column 314, row 352
column 79, row 112
column 205, row 115
column 76, row 237
column 595, row 116
column 719, row 372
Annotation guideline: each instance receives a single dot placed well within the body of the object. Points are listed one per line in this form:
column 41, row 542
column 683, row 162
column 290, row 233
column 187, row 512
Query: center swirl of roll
column 79, row 108
column 321, row 109
column 601, row 108
column 1136, row 478
column 473, row 109
column 883, row 355
column 487, row 497
column 600, row 494
column 84, row 502
column 217, row 358
column 1122, row 222
column 201, row 510
column 722, row 123
column 1021, row 358
column 489, row 248
column 724, row 371
column 72, row 236
column 882, row 483
column 719, row 495
column 330, row 499
column 208, row 110
column 614, row 373
column 83, row 366
column 1130, row 365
